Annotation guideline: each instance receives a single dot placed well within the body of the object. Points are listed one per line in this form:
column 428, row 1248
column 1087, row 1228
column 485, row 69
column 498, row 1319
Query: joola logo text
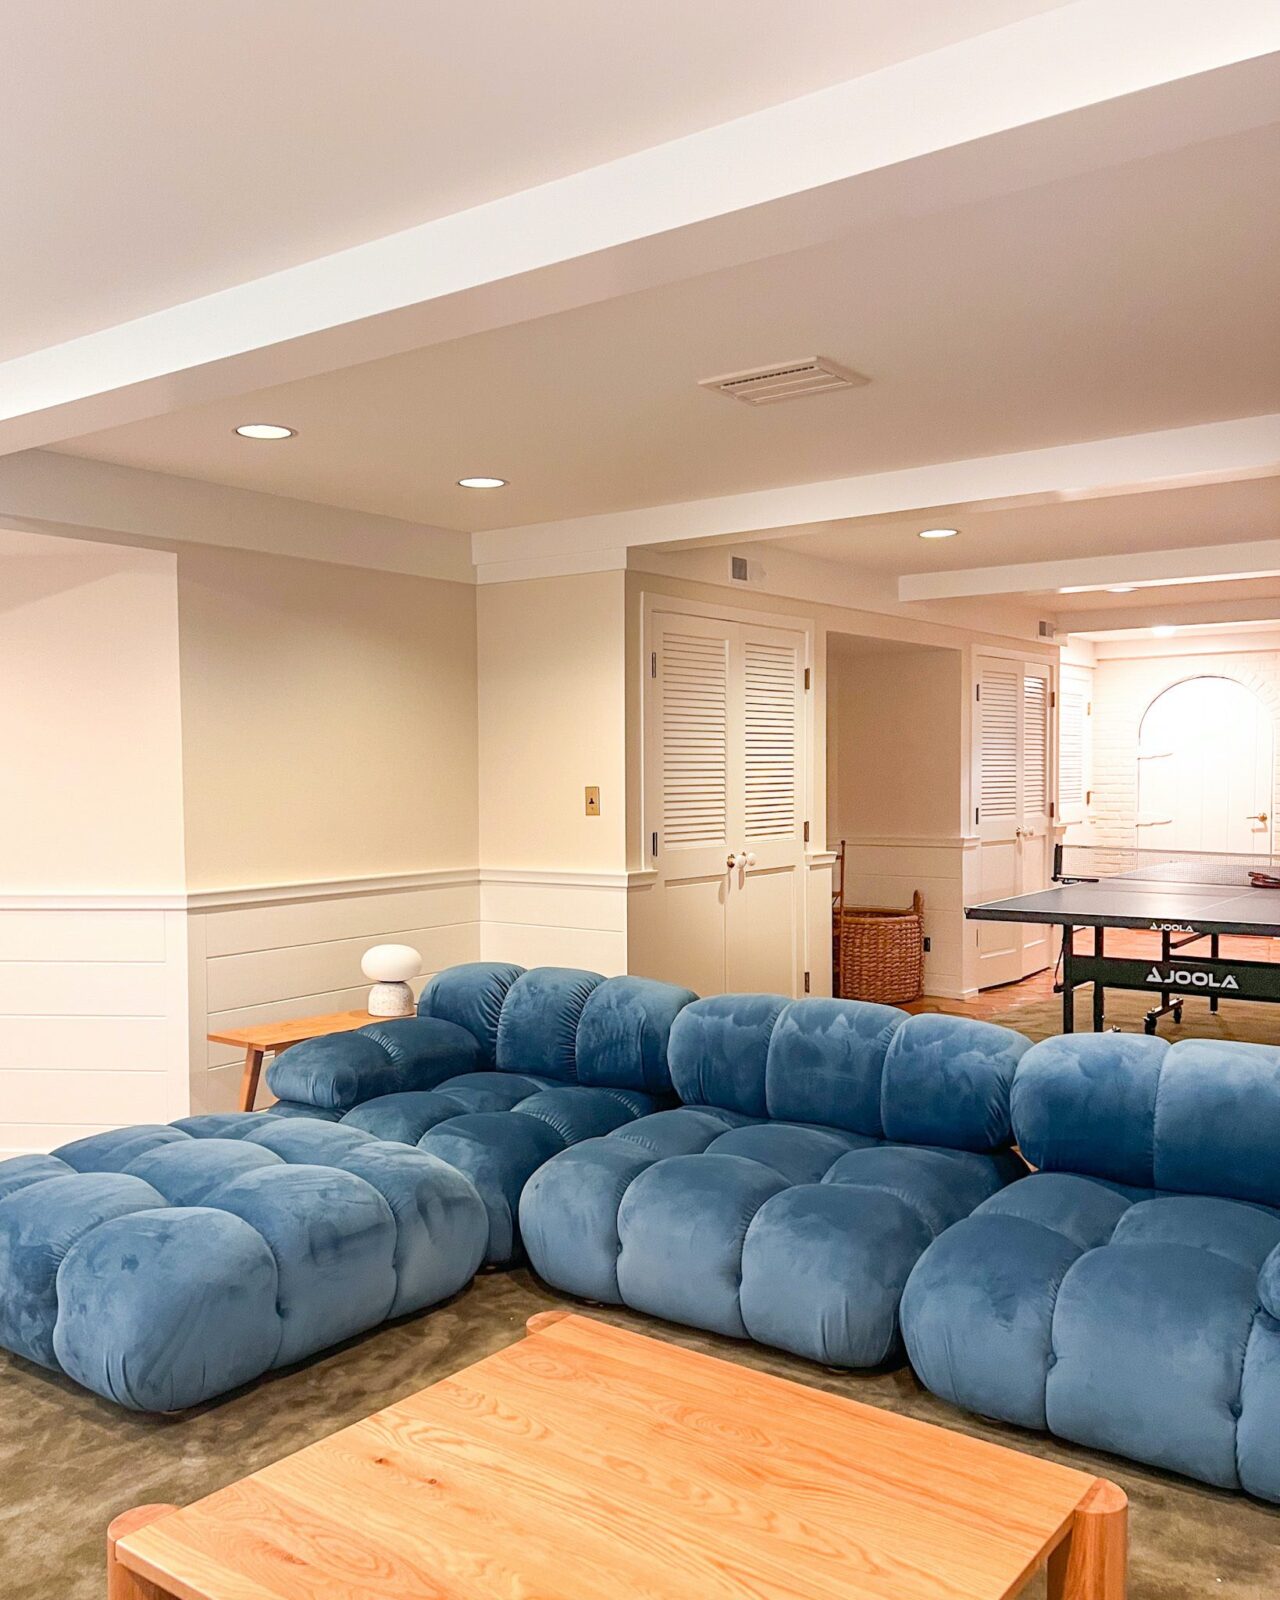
column 1180, row 978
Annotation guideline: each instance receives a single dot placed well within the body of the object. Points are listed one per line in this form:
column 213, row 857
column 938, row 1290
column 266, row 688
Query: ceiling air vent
column 786, row 380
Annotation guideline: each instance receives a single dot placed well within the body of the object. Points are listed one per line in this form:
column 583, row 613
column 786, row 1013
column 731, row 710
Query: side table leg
column 249, row 1082
column 121, row 1583
column 1091, row 1562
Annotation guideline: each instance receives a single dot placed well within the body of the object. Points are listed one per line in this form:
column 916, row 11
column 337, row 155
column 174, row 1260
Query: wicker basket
column 881, row 952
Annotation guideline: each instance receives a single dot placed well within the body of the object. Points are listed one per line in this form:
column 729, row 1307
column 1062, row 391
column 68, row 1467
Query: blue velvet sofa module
column 1127, row 1295
column 161, row 1265
column 822, row 1145
column 500, row 1070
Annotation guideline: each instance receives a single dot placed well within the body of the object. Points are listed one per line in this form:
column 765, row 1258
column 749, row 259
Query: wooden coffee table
column 588, row 1463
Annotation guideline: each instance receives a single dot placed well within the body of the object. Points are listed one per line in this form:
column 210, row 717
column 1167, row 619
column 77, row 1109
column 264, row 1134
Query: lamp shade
column 391, row 963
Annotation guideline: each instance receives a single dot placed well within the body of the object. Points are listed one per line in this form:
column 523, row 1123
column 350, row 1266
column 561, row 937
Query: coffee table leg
column 121, row 1583
column 249, row 1082
column 1091, row 1562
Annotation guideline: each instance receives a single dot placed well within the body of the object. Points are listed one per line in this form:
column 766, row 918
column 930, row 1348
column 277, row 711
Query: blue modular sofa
column 820, row 1148
column 1126, row 1295
column 500, row 1070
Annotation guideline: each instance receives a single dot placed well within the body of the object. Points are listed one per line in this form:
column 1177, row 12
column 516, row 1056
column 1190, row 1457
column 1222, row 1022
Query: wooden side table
column 270, row 1038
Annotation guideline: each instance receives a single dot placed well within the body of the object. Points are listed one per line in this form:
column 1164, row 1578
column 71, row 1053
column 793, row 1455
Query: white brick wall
column 1123, row 688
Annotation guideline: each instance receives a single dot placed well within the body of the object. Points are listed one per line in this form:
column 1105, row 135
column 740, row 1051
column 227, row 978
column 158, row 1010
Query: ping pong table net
column 1084, row 862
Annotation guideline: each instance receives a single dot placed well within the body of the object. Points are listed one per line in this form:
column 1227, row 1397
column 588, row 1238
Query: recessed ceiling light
column 482, row 483
column 1164, row 630
column 938, row 533
column 265, row 430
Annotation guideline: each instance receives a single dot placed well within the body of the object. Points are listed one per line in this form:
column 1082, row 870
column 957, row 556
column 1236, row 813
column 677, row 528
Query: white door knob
column 750, row 858
column 731, row 860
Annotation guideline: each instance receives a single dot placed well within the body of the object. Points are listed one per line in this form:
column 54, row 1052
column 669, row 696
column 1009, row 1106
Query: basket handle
column 917, row 903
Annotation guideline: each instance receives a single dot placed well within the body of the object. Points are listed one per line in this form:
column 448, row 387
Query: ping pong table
column 1185, row 897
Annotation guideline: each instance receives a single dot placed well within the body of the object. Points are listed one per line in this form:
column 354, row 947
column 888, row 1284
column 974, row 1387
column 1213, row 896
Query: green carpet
column 69, row 1462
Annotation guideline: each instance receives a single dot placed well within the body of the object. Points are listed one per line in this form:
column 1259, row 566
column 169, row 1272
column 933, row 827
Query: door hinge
column 977, row 813
column 1053, row 699
column 654, row 849
column 1053, row 808
column 653, row 663
column 806, row 677
column 806, row 983
column 977, row 692
column 806, row 833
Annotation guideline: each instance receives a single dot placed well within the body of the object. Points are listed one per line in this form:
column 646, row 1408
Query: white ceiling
column 157, row 151
column 1135, row 298
column 1161, row 519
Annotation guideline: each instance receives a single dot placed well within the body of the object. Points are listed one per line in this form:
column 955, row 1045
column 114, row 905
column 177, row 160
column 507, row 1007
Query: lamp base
column 391, row 1000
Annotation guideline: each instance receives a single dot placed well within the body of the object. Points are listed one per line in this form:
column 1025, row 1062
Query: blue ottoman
column 162, row 1265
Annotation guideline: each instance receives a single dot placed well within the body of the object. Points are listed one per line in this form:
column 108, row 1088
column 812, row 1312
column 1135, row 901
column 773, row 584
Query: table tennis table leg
column 1213, row 956
column 1068, row 980
column 1099, row 993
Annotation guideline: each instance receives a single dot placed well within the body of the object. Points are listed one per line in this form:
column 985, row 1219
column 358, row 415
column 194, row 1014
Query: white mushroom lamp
column 390, row 966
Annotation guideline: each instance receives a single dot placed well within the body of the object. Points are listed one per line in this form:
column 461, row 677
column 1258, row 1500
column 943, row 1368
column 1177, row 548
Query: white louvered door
column 1012, row 787
column 724, row 802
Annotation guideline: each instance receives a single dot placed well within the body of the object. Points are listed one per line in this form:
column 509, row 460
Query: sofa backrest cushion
column 947, row 1081
column 826, row 1062
column 471, row 995
column 538, row 1027
column 623, row 1034
column 1086, row 1103
column 1198, row 1117
column 719, row 1051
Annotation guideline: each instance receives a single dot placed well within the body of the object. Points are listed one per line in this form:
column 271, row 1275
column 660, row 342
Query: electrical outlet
column 928, row 944
column 593, row 800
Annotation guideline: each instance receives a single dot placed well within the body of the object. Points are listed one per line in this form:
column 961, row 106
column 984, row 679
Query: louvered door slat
column 770, row 744
column 999, row 746
column 694, row 695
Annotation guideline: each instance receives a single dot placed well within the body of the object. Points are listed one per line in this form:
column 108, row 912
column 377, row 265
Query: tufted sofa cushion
column 161, row 1265
column 594, row 1053
column 1127, row 1297
column 795, row 1230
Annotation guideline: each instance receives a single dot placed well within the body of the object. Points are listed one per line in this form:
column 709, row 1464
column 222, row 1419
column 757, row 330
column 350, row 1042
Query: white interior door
column 1075, row 750
column 1205, row 769
column 725, row 742
column 1012, row 782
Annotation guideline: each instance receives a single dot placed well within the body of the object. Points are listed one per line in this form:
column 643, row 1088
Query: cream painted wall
column 91, row 789
column 895, row 749
column 93, row 956
column 551, row 701
column 329, row 719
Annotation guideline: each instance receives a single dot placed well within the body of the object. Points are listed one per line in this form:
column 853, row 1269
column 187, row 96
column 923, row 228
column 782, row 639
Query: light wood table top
column 589, row 1463
column 270, row 1038
column 280, row 1035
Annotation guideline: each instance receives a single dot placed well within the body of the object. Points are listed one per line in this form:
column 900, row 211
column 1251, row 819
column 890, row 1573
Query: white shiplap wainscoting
column 257, row 955
column 555, row 918
column 106, row 1001
column 93, row 1015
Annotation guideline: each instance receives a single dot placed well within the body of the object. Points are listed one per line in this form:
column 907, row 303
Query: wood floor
column 1120, row 942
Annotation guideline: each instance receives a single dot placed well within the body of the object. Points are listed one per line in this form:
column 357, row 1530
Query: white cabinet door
column 1012, row 780
column 724, row 749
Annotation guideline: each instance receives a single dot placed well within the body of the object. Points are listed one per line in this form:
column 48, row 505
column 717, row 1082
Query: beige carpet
column 69, row 1462
column 1238, row 1019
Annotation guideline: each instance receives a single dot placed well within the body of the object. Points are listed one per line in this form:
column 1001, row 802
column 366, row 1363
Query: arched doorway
column 1205, row 769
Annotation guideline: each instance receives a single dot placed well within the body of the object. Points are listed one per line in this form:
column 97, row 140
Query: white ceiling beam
column 1258, row 558
column 1209, row 452
column 45, row 493
column 1193, row 614
column 708, row 200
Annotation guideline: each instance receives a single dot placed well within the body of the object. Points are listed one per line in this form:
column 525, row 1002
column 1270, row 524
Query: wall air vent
column 785, row 380
column 1046, row 630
